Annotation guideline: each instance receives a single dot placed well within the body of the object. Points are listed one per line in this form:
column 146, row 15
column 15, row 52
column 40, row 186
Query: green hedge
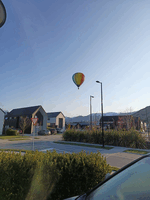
column 132, row 138
column 49, row 175
column 11, row 132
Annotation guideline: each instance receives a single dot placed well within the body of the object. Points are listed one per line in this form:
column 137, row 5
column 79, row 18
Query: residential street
column 115, row 157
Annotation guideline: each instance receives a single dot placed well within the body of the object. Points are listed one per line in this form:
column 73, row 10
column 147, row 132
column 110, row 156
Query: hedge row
column 49, row 175
column 11, row 132
column 132, row 138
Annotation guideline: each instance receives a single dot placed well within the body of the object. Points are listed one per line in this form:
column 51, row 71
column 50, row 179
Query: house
column 73, row 125
column 121, row 121
column 56, row 120
column 77, row 125
column 13, row 118
column 2, row 114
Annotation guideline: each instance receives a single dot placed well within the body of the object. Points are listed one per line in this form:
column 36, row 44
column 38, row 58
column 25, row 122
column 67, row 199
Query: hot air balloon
column 78, row 79
column 2, row 14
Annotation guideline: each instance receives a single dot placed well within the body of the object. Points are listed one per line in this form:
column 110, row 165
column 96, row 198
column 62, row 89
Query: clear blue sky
column 43, row 43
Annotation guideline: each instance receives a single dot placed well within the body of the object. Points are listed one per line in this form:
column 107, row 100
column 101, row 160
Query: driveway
column 40, row 138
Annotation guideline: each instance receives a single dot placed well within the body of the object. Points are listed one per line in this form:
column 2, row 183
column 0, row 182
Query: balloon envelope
column 2, row 14
column 78, row 78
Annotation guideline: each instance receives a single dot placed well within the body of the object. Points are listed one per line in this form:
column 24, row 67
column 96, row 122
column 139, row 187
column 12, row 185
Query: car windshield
column 132, row 183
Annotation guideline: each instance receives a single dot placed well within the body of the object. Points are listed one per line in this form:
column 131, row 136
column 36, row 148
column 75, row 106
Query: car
column 58, row 130
column 130, row 182
column 53, row 130
column 20, row 131
column 44, row 132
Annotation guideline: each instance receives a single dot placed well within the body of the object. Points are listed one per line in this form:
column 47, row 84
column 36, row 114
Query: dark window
column 60, row 122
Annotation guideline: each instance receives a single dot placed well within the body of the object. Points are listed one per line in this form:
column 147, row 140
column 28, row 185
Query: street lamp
column 102, row 112
column 91, row 111
column 2, row 14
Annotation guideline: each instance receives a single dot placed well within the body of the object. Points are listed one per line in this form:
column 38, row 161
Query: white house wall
column 57, row 120
column 44, row 118
column 44, row 127
column 1, row 121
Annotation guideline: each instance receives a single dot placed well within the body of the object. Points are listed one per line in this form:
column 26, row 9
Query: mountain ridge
column 143, row 113
column 95, row 117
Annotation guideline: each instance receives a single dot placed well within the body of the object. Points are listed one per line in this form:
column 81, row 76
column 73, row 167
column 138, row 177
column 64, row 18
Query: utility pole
column 147, row 122
column 91, row 112
column 102, row 112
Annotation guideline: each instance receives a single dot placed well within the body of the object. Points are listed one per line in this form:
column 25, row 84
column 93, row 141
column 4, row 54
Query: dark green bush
column 78, row 173
column 11, row 132
column 122, row 138
column 49, row 175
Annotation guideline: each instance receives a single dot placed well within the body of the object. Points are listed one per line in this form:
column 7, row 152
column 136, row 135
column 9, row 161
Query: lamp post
column 102, row 112
column 113, row 123
column 91, row 112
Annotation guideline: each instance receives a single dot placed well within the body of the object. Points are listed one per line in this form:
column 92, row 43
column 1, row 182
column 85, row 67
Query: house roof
column 76, row 123
column 23, row 111
column 109, row 118
column 2, row 110
column 84, row 123
column 54, row 114
column 115, row 118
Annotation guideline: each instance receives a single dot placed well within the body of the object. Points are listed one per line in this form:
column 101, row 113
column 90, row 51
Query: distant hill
column 144, row 114
column 95, row 116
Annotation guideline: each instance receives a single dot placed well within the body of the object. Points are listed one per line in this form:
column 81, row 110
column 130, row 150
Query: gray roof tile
column 23, row 111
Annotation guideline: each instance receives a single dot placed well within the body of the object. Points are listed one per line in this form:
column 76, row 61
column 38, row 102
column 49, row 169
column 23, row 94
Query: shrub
column 11, row 132
column 131, row 138
column 49, row 175
column 78, row 173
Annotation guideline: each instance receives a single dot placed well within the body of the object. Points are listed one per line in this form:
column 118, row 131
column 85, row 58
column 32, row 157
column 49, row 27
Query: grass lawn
column 17, row 150
column 85, row 145
column 14, row 138
column 136, row 151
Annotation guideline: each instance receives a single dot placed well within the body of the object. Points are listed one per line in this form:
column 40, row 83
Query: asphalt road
column 115, row 157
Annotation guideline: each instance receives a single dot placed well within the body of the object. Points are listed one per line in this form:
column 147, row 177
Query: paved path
column 115, row 157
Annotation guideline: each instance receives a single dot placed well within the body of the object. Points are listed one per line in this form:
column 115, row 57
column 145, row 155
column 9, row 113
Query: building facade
column 2, row 114
column 13, row 118
column 56, row 120
column 121, row 122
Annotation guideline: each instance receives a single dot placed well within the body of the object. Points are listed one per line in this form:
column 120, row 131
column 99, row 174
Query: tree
column 24, row 123
column 129, row 119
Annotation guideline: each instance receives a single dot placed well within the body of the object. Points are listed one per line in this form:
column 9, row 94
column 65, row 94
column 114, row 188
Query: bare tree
column 24, row 123
column 128, row 119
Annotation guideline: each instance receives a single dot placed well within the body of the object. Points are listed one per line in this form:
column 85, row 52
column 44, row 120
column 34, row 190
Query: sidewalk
column 116, row 157
column 116, row 149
